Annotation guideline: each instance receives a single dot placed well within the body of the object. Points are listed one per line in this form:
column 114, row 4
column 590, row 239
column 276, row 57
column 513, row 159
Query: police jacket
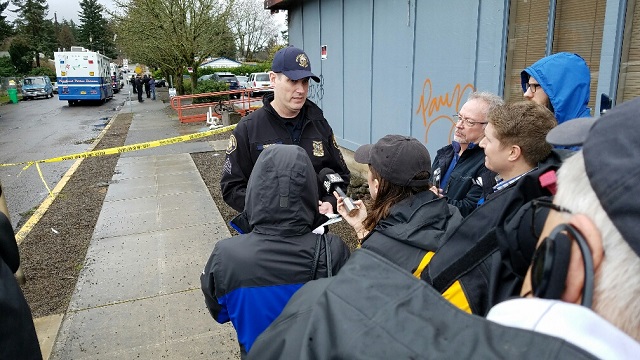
column 462, row 189
column 264, row 127
column 415, row 226
column 374, row 310
column 249, row 278
column 18, row 338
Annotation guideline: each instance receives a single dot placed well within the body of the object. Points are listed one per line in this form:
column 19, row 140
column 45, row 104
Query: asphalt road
column 41, row 129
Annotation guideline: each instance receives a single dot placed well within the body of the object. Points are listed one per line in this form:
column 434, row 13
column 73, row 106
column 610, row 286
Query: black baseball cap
column 612, row 162
column 398, row 159
column 294, row 63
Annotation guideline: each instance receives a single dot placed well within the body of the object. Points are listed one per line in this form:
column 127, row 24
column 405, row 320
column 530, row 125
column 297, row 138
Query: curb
column 44, row 206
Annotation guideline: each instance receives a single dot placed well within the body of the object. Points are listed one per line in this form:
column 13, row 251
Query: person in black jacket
column 459, row 166
column 250, row 277
column 287, row 117
column 145, row 82
column 138, row 85
column 18, row 338
column 405, row 222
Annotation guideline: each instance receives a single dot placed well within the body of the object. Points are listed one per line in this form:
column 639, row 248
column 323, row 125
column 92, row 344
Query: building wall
column 407, row 66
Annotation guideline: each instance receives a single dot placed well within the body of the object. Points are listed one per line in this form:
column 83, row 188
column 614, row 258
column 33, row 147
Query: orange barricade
column 242, row 105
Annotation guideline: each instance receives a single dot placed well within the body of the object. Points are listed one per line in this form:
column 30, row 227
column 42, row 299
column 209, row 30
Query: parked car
column 54, row 84
column 227, row 77
column 259, row 83
column 36, row 86
column 161, row 82
column 242, row 80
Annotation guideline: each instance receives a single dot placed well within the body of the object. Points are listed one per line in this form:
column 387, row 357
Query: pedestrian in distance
column 459, row 173
column 286, row 117
column 145, row 81
column 249, row 278
column 404, row 221
column 152, row 87
column 133, row 84
column 139, row 87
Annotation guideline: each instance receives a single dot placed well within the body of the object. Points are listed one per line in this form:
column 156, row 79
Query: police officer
column 287, row 117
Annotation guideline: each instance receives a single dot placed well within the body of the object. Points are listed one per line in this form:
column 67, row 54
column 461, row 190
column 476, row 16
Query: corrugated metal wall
column 402, row 66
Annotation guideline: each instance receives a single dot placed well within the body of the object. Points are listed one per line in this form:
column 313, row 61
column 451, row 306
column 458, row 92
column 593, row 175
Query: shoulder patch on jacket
column 233, row 144
column 335, row 143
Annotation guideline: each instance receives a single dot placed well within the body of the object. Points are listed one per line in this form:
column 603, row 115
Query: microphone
column 436, row 177
column 334, row 182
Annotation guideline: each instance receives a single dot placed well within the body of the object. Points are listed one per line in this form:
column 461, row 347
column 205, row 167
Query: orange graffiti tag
column 432, row 105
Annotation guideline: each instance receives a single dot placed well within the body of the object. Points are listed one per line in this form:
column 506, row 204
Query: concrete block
column 230, row 118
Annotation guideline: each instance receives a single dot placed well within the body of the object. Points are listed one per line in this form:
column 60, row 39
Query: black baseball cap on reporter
column 612, row 162
column 398, row 159
column 294, row 63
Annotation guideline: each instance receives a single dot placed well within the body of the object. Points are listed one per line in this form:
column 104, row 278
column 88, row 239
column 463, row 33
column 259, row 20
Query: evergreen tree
column 95, row 33
column 33, row 26
column 5, row 28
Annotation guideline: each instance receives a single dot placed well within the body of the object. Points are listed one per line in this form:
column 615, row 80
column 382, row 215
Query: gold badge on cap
column 318, row 149
column 302, row 60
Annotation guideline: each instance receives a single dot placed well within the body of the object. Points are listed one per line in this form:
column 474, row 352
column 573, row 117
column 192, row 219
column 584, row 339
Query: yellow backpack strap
column 423, row 263
column 454, row 294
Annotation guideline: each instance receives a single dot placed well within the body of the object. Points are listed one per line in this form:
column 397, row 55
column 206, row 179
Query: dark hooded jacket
column 566, row 80
column 18, row 338
column 374, row 310
column 415, row 226
column 249, row 278
column 263, row 128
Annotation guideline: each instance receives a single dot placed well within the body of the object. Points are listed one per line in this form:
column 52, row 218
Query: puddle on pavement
column 103, row 122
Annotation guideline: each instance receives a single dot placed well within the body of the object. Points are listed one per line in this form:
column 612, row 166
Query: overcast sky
column 68, row 9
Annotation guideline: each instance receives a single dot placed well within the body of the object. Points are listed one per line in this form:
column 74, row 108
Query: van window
column 34, row 81
column 262, row 77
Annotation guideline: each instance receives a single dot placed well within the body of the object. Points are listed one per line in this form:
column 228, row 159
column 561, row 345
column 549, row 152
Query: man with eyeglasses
column 458, row 168
column 561, row 82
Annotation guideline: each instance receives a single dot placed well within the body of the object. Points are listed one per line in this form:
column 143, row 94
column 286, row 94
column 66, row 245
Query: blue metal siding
column 357, row 105
column 392, row 67
column 445, row 60
column 330, row 91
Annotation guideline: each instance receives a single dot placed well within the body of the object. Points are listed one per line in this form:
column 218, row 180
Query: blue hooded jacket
column 566, row 79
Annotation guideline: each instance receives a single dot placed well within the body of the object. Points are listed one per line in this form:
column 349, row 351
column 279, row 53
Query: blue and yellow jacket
column 566, row 80
column 249, row 278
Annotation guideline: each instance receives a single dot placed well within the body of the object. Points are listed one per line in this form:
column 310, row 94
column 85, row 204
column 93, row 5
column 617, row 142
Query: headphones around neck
column 550, row 264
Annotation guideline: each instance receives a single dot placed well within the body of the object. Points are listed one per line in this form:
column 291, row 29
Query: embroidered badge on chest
column 318, row 149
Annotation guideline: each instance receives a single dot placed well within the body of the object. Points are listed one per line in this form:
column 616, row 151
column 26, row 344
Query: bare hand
column 436, row 191
column 325, row 207
column 357, row 216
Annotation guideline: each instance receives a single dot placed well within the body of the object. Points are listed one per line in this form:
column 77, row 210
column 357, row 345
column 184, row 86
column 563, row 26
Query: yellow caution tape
column 119, row 150
column 126, row 148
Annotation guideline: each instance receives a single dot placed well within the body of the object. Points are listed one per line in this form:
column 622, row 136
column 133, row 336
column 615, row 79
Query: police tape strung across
column 118, row 150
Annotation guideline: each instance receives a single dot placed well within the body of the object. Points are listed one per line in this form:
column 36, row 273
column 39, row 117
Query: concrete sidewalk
column 138, row 295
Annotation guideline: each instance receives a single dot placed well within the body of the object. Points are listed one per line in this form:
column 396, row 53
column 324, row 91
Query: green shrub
column 39, row 71
column 209, row 86
column 240, row 70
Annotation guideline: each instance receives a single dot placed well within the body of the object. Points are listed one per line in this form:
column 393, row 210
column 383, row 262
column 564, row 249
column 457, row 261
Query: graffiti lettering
column 316, row 90
column 431, row 104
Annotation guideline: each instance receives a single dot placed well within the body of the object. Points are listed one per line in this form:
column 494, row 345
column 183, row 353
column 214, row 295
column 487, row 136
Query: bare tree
column 252, row 27
column 172, row 34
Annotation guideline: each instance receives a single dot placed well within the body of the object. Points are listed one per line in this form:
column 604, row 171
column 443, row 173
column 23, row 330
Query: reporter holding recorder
column 404, row 221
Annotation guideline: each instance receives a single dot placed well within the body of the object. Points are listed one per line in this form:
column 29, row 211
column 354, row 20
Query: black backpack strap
column 327, row 250
column 481, row 250
column 316, row 257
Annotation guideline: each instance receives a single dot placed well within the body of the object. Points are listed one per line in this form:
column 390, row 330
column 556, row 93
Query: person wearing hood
column 405, row 222
column 561, row 82
column 249, row 278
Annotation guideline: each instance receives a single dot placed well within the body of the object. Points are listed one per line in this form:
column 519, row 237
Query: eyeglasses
column 533, row 87
column 540, row 212
column 467, row 121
